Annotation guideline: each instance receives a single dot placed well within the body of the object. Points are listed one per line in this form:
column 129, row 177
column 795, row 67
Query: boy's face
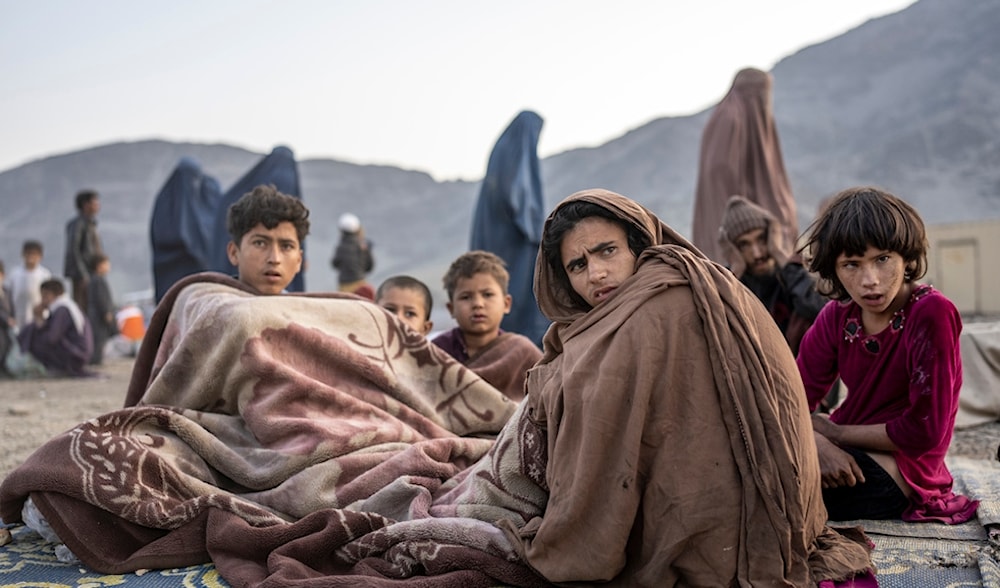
column 91, row 207
column 48, row 298
column 409, row 305
column 478, row 304
column 267, row 259
column 32, row 259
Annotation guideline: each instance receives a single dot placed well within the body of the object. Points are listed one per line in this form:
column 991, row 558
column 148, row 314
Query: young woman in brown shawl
column 672, row 418
column 741, row 154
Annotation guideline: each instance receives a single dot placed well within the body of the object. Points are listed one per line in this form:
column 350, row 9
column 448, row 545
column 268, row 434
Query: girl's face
column 596, row 258
column 877, row 283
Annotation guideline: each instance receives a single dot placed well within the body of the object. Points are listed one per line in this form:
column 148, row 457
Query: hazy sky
column 425, row 85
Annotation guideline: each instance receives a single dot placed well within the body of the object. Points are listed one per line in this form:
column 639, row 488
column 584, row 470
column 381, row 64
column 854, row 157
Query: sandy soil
column 33, row 411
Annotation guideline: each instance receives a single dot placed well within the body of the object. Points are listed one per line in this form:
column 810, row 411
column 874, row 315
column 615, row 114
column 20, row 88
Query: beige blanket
column 979, row 399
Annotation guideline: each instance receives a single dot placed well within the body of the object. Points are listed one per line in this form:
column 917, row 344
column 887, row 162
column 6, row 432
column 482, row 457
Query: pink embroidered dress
column 908, row 376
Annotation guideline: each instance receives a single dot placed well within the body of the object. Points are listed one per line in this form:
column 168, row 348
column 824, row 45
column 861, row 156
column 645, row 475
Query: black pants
column 80, row 293
column 878, row 498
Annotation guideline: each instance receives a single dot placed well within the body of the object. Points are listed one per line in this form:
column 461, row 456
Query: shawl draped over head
column 64, row 301
column 741, row 154
column 679, row 446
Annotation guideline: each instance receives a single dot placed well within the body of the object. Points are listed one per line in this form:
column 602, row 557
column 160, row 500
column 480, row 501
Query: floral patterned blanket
column 291, row 440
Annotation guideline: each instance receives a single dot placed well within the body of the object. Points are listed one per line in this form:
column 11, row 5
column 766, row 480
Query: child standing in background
column 7, row 323
column 25, row 281
column 100, row 307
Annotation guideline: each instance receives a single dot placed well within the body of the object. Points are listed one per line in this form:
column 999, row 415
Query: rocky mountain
column 909, row 101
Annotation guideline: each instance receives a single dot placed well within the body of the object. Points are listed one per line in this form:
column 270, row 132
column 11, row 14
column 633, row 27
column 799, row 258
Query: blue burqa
column 509, row 216
column 277, row 168
column 181, row 229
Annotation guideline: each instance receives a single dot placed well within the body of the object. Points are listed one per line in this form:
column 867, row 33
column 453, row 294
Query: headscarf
column 741, row 154
column 558, row 304
column 64, row 301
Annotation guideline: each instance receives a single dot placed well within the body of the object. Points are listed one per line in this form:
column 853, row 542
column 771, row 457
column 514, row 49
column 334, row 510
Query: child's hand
column 779, row 252
column 837, row 467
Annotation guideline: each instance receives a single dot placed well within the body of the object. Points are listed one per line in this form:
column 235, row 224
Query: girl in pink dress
column 894, row 343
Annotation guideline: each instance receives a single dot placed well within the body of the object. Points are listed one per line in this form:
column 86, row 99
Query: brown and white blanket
column 296, row 440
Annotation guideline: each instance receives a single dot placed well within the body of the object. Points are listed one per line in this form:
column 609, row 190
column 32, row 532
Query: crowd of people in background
column 47, row 328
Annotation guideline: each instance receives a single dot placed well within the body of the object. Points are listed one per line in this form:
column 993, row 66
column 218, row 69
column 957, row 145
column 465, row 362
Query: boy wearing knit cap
column 758, row 256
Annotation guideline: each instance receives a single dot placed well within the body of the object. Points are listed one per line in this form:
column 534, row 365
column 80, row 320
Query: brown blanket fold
column 505, row 362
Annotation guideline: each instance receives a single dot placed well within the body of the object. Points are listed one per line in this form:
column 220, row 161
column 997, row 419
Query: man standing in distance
column 83, row 244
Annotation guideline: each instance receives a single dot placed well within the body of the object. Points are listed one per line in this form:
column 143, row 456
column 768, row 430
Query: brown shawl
column 741, row 154
column 679, row 446
column 505, row 362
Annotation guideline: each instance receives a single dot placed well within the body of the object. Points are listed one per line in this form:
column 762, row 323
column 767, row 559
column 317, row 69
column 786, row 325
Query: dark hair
column 267, row 206
column 31, row 246
column 53, row 286
column 567, row 217
column 855, row 219
column 96, row 260
column 2, row 270
column 408, row 283
column 476, row 262
column 85, row 196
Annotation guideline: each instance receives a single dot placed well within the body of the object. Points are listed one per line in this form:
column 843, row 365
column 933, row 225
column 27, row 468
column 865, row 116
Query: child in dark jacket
column 100, row 307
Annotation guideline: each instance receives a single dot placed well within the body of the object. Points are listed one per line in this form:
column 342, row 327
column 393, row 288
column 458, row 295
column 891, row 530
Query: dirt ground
column 33, row 411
